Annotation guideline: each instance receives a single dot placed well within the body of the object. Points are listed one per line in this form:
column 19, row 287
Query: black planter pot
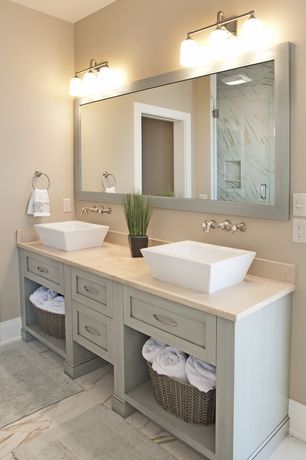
column 136, row 243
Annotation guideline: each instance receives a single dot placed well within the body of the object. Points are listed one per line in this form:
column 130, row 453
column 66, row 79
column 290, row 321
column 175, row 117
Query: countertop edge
column 164, row 289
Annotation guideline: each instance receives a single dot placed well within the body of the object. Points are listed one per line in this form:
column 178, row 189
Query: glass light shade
column 222, row 43
column 189, row 53
column 107, row 78
column 218, row 37
column 91, row 84
column 76, row 87
column 252, row 32
column 119, row 78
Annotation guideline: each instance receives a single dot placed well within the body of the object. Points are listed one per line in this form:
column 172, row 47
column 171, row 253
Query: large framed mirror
column 211, row 140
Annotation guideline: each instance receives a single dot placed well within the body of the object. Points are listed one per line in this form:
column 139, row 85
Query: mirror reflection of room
column 210, row 137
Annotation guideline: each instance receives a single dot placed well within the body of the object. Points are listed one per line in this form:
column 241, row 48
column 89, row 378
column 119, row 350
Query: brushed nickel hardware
column 207, row 225
column 108, row 180
column 93, row 331
column 221, row 21
column 91, row 290
column 37, row 174
column 164, row 320
column 96, row 210
column 215, row 113
column 241, row 227
column 226, row 225
column 263, row 191
column 93, row 65
column 42, row 269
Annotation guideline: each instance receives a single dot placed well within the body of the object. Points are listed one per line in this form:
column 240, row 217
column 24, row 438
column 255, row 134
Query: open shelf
column 201, row 438
column 57, row 345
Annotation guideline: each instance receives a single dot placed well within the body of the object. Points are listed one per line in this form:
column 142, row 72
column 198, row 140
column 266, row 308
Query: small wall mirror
column 216, row 142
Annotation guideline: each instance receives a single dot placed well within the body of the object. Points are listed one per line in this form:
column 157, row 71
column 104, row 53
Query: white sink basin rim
column 71, row 235
column 200, row 266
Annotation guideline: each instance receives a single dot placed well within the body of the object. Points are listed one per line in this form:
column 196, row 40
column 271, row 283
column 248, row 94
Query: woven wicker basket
column 51, row 323
column 183, row 400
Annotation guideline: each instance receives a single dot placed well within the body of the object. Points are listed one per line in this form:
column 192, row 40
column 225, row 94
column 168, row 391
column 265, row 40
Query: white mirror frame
column 280, row 54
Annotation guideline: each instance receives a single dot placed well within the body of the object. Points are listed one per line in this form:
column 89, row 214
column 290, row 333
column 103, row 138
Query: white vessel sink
column 203, row 267
column 71, row 235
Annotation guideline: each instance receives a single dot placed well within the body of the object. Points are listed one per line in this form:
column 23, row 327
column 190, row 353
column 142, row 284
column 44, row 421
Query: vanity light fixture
column 223, row 38
column 98, row 78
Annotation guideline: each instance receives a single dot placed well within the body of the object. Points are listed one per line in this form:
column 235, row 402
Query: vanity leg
column 77, row 370
column 121, row 407
column 26, row 336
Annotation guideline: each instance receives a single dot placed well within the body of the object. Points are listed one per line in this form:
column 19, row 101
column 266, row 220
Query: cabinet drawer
column 92, row 330
column 93, row 291
column 188, row 329
column 46, row 271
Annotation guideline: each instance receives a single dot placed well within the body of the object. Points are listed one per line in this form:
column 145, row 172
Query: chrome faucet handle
column 241, row 227
column 96, row 210
column 102, row 210
column 226, row 225
column 207, row 225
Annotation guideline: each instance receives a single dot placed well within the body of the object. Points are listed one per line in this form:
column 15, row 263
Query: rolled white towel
column 170, row 361
column 55, row 305
column 42, row 295
column 151, row 348
column 201, row 374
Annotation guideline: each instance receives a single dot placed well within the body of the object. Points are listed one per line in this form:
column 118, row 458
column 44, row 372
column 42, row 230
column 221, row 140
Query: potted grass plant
column 137, row 210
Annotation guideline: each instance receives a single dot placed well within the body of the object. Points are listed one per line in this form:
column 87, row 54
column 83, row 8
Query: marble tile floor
column 98, row 389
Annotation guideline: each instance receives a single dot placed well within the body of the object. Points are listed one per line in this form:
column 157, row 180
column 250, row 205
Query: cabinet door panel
column 93, row 291
column 188, row 329
column 92, row 330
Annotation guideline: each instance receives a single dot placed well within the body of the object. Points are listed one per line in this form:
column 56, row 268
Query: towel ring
column 37, row 175
column 108, row 180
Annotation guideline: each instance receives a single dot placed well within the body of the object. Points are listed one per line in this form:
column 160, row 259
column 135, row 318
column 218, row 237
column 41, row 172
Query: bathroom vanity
column 113, row 305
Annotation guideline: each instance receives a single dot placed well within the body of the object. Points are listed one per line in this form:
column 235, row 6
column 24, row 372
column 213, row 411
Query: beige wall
column 143, row 37
column 109, row 142
column 36, row 132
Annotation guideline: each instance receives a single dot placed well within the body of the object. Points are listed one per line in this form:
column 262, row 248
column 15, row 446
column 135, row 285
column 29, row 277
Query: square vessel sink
column 71, row 235
column 203, row 267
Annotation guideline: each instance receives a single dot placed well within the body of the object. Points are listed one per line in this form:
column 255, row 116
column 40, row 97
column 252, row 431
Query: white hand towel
column 170, row 361
column 110, row 189
column 39, row 205
column 151, row 348
column 201, row 374
column 30, row 209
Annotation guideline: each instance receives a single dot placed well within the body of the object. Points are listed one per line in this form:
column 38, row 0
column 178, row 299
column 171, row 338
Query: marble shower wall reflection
column 245, row 127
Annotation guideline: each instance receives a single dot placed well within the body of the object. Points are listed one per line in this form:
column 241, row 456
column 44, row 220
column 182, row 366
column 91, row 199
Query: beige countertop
column 115, row 263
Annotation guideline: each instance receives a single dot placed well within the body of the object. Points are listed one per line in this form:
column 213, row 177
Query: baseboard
column 10, row 331
column 297, row 414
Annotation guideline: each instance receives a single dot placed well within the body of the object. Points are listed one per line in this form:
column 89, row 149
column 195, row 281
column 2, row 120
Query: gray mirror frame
column 280, row 210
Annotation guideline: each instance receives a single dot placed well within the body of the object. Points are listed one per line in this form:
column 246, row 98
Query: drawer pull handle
column 165, row 320
column 92, row 330
column 91, row 290
column 42, row 269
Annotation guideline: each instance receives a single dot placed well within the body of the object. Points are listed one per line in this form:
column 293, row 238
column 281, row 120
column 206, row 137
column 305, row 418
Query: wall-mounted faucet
column 227, row 225
column 96, row 210
column 207, row 225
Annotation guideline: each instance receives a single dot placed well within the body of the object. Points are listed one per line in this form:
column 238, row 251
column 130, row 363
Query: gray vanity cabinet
column 108, row 321
column 252, row 366
column 36, row 270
